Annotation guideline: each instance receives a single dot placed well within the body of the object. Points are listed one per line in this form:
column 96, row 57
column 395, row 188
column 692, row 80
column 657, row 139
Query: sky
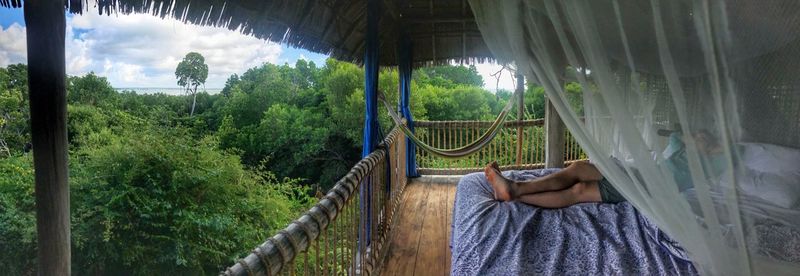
column 142, row 51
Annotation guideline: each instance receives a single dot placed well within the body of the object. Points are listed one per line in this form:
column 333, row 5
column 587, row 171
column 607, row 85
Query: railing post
column 554, row 131
column 46, row 25
column 520, row 114
column 405, row 58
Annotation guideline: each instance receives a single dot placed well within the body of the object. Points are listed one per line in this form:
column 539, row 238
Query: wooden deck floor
column 419, row 244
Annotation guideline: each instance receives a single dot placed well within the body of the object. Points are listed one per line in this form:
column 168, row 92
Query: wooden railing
column 331, row 238
column 505, row 148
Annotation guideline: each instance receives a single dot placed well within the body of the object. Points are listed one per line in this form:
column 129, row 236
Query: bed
column 511, row 238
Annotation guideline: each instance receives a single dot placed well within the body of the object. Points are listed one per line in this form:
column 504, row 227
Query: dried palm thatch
column 441, row 31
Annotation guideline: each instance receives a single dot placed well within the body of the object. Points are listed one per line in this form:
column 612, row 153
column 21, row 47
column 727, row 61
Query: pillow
column 770, row 158
column 781, row 189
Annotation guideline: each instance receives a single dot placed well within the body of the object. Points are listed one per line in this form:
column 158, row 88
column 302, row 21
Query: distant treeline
column 168, row 90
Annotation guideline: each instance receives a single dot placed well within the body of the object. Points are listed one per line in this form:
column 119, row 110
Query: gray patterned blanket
column 511, row 238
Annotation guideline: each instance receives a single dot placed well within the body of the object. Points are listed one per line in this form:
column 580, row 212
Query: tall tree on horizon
column 192, row 71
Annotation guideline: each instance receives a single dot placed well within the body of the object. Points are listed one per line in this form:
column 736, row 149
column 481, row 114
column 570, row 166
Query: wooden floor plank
column 433, row 242
column 419, row 244
column 451, row 192
column 401, row 256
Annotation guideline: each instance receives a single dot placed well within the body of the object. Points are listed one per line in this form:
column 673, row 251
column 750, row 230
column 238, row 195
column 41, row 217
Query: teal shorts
column 607, row 192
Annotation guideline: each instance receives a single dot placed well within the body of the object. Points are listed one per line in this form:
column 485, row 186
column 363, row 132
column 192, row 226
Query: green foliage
column 302, row 121
column 14, row 110
column 90, row 89
column 449, row 76
column 535, row 99
column 575, row 97
column 149, row 202
column 159, row 202
column 17, row 219
column 256, row 90
column 458, row 103
column 90, row 125
column 233, row 79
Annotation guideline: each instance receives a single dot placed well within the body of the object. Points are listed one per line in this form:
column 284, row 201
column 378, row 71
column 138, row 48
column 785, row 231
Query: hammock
column 456, row 153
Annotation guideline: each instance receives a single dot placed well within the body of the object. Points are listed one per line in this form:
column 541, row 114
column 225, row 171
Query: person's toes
column 495, row 166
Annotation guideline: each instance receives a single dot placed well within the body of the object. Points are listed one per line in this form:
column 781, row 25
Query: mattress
column 490, row 237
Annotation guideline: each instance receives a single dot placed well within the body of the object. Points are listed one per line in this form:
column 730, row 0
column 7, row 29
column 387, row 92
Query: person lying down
column 582, row 182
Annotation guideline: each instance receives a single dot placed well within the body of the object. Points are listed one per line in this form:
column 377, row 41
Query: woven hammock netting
column 690, row 108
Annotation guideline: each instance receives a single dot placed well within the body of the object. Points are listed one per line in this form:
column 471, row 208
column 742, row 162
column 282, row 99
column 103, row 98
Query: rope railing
column 325, row 239
column 505, row 149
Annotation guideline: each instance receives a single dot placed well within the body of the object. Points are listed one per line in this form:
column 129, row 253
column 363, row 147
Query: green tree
column 192, row 72
column 232, row 80
column 535, row 99
column 90, row 89
column 449, row 76
column 459, row 103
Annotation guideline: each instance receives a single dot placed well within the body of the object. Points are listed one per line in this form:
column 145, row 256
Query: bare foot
column 495, row 166
column 503, row 188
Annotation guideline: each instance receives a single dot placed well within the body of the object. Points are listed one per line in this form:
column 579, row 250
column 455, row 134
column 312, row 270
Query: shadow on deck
column 420, row 242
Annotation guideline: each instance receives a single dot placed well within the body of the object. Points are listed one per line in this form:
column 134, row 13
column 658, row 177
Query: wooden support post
column 520, row 115
column 554, row 131
column 45, row 27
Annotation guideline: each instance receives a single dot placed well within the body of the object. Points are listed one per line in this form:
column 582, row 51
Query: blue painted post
column 371, row 127
column 405, row 58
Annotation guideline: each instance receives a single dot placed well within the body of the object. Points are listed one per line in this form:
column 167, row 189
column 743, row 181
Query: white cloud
column 13, row 49
column 77, row 54
column 140, row 50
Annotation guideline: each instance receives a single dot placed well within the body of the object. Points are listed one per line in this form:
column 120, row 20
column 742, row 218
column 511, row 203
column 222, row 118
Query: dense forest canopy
column 157, row 191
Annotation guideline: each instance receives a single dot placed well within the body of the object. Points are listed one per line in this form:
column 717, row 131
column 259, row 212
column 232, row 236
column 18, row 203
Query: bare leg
column 578, row 193
column 506, row 189
column 581, row 171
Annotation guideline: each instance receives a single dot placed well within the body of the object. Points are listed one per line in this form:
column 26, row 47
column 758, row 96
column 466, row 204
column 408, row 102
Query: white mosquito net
column 690, row 108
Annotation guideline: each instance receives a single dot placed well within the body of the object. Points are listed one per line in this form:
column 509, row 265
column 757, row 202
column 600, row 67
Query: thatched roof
column 441, row 31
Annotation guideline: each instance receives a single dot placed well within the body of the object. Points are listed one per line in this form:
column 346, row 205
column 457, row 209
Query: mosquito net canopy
column 690, row 108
